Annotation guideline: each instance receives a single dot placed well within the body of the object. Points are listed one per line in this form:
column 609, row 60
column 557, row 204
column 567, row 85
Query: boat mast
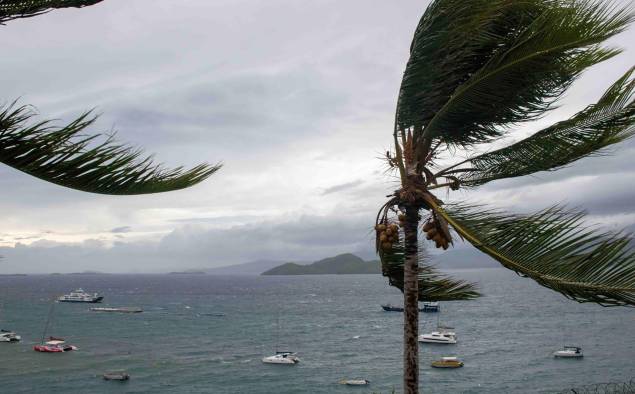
column 48, row 319
column 277, row 330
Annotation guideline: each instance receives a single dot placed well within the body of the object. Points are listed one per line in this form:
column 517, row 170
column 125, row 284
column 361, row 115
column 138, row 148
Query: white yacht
column 355, row 382
column 80, row 295
column 9, row 336
column 569, row 352
column 282, row 358
column 438, row 337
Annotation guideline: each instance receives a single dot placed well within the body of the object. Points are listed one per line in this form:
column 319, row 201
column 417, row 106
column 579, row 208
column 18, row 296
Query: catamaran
column 9, row 336
column 288, row 358
column 569, row 352
column 52, row 345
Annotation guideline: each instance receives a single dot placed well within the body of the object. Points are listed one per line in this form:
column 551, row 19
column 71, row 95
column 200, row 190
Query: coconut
column 389, row 231
column 386, row 246
column 383, row 237
column 380, row 227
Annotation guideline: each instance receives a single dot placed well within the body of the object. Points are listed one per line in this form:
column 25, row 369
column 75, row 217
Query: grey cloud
column 122, row 229
column 303, row 239
column 342, row 187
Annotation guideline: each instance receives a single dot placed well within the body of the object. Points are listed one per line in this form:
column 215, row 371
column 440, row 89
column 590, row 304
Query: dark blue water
column 179, row 345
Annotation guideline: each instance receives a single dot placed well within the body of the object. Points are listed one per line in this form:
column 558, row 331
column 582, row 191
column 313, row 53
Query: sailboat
column 7, row 335
column 52, row 345
column 443, row 335
column 285, row 358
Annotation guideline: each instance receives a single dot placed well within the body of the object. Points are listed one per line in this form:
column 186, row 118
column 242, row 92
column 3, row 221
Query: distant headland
column 342, row 264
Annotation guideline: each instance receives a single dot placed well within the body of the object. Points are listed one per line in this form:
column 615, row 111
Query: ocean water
column 181, row 345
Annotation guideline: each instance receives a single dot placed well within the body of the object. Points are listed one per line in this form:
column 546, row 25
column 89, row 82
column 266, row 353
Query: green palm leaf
column 554, row 249
column 14, row 9
column 609, row 121
column 433, row 286
column 476, row 67
column 64, row 156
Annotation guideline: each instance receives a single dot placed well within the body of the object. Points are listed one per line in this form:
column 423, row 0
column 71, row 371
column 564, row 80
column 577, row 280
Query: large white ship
column 80, row 295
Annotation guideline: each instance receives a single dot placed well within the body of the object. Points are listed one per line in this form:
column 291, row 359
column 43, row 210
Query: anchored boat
column 392, row 308
column 447, row 362
column 282, row 358
column 53, row 345
column 9, row 336
column 569, row 352
column 116, row 375
column 56, row 345
column 80, row 295
column 442, row 337
column 355, row 382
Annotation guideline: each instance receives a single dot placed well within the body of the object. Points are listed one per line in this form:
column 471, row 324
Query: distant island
column 343, row 264
column 186, row 273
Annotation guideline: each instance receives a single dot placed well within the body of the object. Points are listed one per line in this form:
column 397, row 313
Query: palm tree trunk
column 411, row 305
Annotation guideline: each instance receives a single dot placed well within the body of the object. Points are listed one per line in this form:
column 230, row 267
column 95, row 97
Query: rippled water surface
column 207, row 334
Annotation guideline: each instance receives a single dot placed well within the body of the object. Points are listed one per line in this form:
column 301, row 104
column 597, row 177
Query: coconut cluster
column 387, row 235
column 436, row 233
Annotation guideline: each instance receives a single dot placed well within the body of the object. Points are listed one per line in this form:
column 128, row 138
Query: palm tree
column 64, row 155
column 477, row 69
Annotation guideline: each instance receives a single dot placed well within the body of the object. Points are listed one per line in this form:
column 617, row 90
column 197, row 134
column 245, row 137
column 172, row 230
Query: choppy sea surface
column 207, row 334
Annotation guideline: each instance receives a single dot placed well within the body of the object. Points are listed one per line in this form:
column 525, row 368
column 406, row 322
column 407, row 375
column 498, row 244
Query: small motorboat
column 392, row 308
column 9, row 336
column 447, row 362
column 282, row 358
column 55, row 345
column 116, row 375
column 355, row 382
column 438, row 337
column 430, row 307
column 569, row 352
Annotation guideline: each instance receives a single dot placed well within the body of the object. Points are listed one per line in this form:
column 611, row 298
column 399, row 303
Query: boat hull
column 54, row 348
column 445, row 342
column 567, row 355
column 446, row 364
column 93, row 301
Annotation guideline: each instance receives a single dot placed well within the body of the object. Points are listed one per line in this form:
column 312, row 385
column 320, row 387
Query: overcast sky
column 295, row 98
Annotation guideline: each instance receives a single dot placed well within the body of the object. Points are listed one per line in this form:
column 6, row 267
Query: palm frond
column 478, row 67
column 609, row 121
column 63, row 156
column 433, row 286
column 554, row 248
column 15, row 9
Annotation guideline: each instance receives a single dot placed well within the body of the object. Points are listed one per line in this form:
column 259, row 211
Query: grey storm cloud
column 122, row 229
column 295, row 98
column 342, row 187
column 191, row 246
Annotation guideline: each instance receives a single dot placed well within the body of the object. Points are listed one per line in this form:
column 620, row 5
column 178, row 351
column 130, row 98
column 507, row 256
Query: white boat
column 438, row 337
column 282, row 358
column 9, row 336
column 80, row 295
column 355, row 382
column 286, row 358
column 569, row 352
